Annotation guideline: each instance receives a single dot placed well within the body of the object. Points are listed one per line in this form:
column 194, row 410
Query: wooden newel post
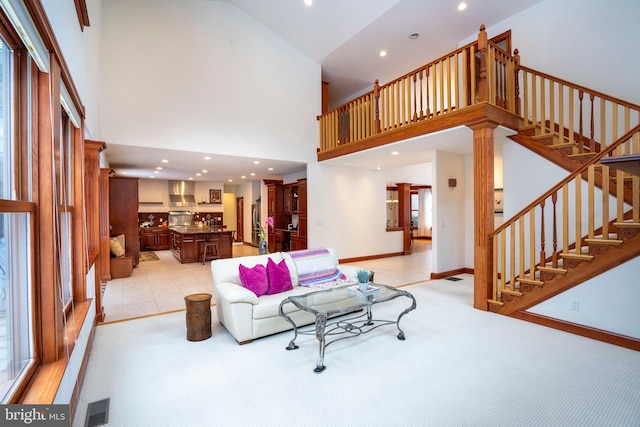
column 482, row 82
column 516, row 59
column 376, row 106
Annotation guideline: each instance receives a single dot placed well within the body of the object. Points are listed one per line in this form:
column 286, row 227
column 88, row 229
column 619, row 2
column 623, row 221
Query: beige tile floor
column 160, row 286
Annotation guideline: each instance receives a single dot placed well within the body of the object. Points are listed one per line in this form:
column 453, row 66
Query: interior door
column 239, row 219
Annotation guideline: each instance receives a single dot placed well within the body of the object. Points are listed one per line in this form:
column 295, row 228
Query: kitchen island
column 187, row 242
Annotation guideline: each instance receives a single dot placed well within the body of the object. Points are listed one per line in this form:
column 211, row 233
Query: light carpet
column 458, row 367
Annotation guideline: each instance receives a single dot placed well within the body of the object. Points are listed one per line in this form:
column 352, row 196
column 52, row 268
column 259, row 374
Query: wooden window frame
column 23, row 202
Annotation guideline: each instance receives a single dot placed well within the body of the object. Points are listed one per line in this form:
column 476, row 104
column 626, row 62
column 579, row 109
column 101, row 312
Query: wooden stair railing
column 570, row 117
column 540, row 242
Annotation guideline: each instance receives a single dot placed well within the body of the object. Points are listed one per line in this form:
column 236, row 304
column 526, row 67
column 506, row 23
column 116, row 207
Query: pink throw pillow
column 279, row 277
column 254, row 279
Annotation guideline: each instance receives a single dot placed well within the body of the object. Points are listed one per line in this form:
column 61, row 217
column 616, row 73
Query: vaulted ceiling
column 345, row 37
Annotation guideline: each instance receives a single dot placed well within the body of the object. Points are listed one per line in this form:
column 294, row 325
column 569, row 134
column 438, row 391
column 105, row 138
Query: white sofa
column 247, row 316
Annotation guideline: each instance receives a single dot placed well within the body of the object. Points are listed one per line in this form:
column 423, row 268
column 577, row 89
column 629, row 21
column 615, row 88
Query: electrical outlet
column 575, row 305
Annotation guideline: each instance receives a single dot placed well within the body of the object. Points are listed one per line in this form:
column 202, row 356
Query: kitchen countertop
column 186, row 229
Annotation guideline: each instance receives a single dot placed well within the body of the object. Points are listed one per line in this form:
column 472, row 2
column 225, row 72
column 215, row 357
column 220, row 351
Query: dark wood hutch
column 287, row 204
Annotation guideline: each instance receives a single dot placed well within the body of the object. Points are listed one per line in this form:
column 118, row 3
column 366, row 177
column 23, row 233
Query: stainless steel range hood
column 181, row 193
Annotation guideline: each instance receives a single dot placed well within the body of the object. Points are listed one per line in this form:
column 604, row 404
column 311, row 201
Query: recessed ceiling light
column 270, row 169
column 207, row 158
column 243, row 177
column 414, row 36
column 308, row 2
column 156, row 171
column 198, row 174
column 204, row 171
column 395, row 153
column 164, row 161
column 190, row 178
column 152, row 176
column 462, row 6
column 252, row 174
column 256, row 162
column 159, row 168
column 383, row 53
column 230, row 180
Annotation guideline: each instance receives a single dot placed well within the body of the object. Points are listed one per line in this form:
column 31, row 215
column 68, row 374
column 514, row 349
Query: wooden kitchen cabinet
column 123, row 219
column 187, row 243
column 154, row 238
column 287, row 204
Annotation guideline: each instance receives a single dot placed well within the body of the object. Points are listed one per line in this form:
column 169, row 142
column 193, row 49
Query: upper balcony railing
column 477, row 72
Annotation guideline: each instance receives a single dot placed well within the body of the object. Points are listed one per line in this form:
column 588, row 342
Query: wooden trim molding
column 478, row 114
column 370, row 257
column 576, row 329
column 51, row 313
column 445, row 274
column 83, row 14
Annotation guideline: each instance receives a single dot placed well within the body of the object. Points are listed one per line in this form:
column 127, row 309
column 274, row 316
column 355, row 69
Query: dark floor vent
column 453, row 279
column 97, row 413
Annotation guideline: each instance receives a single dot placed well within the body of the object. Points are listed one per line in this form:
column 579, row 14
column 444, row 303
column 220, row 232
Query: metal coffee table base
column 344, row 328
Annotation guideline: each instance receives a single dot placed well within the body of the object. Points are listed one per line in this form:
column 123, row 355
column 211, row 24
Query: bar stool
column 209, row 254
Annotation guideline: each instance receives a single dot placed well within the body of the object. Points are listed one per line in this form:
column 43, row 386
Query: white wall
column 152, row 190
column 347, row 211
column 82, row 52
column 449, row 212
column 609, row 302
column 204, row 76
column 420, row 174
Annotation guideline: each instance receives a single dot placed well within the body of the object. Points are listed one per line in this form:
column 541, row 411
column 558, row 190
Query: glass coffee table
column 350, row 311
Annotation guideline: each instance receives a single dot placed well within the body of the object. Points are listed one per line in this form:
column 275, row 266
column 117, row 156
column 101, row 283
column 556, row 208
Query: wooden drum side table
column 198, row 316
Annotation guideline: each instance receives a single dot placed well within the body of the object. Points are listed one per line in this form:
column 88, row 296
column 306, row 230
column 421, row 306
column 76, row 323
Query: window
column 16, row 335
column 63, row 156
column 16, row 241
column 415, row 209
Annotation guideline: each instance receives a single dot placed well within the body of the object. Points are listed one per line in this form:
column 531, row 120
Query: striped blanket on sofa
column 315, row 266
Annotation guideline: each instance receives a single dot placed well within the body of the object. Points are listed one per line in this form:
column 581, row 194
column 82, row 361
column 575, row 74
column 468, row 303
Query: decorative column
column 92, row 151
column 483, row 216
column 404, row 215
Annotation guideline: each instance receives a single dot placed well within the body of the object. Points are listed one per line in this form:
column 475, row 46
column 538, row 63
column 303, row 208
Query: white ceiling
column 345, row 37
column 141, row 162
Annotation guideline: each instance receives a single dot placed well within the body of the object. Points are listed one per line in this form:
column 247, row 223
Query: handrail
column 538, row 236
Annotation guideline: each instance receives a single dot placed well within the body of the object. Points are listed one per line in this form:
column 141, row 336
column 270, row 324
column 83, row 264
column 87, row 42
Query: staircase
column 583, row 226
column 536, row 254
column 599, row 254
